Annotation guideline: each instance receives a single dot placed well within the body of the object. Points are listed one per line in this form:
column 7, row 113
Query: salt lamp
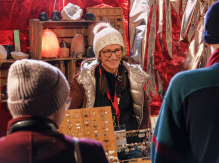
column 78, row 44
column 50, row 44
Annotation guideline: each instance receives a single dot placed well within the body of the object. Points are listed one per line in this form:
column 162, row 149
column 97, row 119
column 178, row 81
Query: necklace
column 116, row 72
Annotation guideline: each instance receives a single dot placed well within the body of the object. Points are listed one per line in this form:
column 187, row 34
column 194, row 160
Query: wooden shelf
column 66, row 65
column 64, row 30
column 80, row 58
column 63, row 23
column 7, row 60
column 57, row 59
column 61, row 59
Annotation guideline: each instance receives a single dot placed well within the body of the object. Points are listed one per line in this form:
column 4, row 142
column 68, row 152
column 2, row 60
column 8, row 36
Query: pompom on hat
column 35, row 88
column 104, row 35
column 211, row 28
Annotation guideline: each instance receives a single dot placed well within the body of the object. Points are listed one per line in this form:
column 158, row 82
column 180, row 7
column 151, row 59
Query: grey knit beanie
column 35, row 88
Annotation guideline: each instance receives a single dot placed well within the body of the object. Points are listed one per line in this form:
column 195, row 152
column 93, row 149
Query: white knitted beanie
column 104, row 35
column 35, row 88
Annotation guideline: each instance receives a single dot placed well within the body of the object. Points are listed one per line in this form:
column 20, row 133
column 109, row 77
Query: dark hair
column 104, row 84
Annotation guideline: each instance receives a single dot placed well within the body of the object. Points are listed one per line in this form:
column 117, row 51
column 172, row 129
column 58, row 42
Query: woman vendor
column 108, row 81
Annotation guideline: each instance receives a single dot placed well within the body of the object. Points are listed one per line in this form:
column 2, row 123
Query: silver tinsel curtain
column 166, row 38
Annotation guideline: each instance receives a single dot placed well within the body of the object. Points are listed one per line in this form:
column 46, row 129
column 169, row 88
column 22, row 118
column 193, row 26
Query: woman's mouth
column 112, row 61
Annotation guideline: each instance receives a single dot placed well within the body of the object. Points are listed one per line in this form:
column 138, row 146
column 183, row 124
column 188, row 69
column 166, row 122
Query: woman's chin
column 113, row 65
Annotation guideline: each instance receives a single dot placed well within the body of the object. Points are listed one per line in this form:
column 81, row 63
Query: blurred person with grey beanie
column 37, row 99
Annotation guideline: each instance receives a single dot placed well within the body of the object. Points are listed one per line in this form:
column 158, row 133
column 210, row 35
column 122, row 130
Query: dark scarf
column 214, row 58
column 31, row 123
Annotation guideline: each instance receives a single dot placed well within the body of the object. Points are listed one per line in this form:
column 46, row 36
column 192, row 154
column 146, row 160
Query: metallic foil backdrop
column 166, row 37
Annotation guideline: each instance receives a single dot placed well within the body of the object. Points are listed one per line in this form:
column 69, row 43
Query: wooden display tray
column 111, row 15
column 64, row 30
column 94, row 123
column 139, row 160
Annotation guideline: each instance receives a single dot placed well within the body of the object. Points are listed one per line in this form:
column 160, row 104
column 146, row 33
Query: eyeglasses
column 108, row 53
column 67, row 103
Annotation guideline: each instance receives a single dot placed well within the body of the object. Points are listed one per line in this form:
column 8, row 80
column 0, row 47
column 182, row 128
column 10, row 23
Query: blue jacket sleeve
column 170, row 139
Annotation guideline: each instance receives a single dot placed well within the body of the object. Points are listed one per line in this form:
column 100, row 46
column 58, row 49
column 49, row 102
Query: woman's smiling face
column 111, row 56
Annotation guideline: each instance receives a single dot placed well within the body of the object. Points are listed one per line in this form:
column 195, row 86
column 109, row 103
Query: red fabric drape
column 166, row 66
